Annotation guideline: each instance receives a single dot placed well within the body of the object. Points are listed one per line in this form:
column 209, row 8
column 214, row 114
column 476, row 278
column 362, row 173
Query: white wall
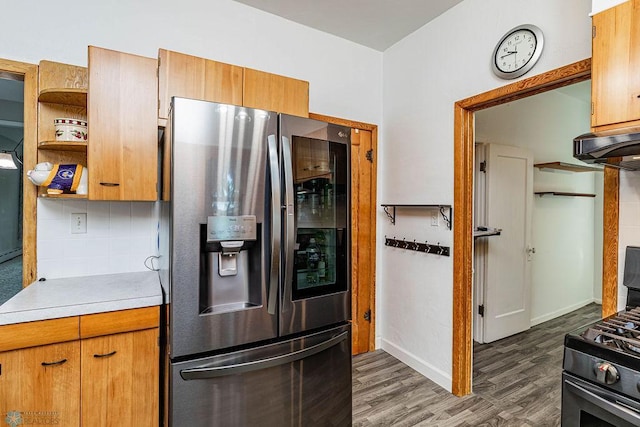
column 345, row 78
column 563, row 228
column 424, row 74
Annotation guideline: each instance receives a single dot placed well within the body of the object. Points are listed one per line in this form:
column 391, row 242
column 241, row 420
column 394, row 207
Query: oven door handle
column 239, row 368
column 613, row 408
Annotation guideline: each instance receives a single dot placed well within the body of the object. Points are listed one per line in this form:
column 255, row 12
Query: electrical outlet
column 435, row 219
column 78, row 223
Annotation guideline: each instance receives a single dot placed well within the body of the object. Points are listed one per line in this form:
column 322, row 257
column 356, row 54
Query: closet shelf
column 486, row 231
column 561, row 193
column 567, row 167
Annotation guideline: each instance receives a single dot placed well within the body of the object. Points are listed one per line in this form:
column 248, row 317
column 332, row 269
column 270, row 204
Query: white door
column 509, row 199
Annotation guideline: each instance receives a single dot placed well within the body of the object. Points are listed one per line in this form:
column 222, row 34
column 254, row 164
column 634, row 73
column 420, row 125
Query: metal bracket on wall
column 442, row 208
column 426, row 247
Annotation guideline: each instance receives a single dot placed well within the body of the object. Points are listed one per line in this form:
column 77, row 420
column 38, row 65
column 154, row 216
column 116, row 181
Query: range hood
column 619, row 148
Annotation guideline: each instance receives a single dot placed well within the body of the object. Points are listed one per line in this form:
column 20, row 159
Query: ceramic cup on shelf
column 71, row 130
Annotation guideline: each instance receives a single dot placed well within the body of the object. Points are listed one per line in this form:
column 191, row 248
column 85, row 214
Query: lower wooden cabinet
column 105, row 373
column 41, row 385
column 120, row 379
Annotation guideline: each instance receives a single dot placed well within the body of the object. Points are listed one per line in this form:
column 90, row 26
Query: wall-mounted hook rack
column 426, row 247
column 390, row 210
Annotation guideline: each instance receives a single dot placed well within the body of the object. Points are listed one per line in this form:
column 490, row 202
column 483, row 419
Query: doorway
column 463, row 212
column 562, row 257
column 11, row 155
column 19, row 245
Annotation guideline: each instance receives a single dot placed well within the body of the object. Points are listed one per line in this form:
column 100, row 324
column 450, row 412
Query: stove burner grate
column 621, row 331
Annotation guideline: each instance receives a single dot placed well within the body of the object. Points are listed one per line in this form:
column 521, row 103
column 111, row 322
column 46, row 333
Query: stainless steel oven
column 586, row 404
column 601, row 367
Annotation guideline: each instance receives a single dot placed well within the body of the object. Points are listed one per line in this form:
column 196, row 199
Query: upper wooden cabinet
column 198, row 78
column 122, row 126
column 615, row 81
column 275, row 93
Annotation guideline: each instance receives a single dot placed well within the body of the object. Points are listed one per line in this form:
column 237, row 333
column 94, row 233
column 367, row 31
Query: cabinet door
column 123, row 126
column 120, row 379
column 197, row 78
column 275, row 93
column 615, row 91
column 41, row 385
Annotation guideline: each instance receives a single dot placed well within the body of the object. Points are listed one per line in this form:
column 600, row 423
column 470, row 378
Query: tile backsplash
column 119, row 237
column 629, row 233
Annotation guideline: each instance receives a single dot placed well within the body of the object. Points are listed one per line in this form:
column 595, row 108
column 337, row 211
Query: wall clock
column 517, row 51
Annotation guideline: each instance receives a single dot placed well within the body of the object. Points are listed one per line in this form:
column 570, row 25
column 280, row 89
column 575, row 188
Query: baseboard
column 562, row 311
column 378, row 342
column 431, row 372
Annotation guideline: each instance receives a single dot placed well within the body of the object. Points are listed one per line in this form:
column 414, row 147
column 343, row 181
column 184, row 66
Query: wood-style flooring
column 516, row 382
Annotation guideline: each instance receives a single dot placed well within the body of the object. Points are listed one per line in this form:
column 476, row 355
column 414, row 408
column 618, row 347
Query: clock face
column 517, row 52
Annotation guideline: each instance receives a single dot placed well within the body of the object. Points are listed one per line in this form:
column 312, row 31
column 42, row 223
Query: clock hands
column 508, row 53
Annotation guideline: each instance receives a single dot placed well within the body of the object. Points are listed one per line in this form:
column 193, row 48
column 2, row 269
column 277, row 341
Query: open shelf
column 62, row 146
column 392, row 214
column 567, row 167
column 63, row 196
column 66, row 96
column 560, row 193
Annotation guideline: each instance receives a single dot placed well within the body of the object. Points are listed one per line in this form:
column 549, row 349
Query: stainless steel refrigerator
column 255, row 265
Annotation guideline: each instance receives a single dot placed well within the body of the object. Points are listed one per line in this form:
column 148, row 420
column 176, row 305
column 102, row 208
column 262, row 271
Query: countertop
column 75, row 296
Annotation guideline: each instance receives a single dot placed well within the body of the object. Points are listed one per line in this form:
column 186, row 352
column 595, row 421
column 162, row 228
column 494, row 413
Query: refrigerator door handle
column 289, row 221
column 275, row 224
column 220, row 371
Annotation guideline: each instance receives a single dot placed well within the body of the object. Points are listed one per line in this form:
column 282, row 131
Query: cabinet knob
column 59, row 362
column 105, row 355
column 110, row 184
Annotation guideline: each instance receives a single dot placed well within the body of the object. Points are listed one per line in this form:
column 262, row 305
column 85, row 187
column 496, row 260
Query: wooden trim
column 344, row 122
column 461, row 371
column 462, row 251
column 610, row 233
column 30, row 158
column 564, row 76
column 114, row 322
column 43, row 332
column 372, row 238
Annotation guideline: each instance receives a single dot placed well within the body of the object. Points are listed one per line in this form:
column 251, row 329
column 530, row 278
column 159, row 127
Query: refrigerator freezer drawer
column 299, row 382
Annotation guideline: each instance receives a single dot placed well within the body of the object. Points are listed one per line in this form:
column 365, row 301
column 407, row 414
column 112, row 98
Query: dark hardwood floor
column 516, row 382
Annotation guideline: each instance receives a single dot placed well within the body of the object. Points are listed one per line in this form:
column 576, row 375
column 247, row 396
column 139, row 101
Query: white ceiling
column 377, row 24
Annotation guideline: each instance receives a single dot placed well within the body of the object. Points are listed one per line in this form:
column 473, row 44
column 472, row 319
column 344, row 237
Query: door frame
column 372, row 238
column 461, row 371
column 29, row 72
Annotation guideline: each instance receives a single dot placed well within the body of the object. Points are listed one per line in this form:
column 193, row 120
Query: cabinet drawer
column 93, row 325
column 31, row 334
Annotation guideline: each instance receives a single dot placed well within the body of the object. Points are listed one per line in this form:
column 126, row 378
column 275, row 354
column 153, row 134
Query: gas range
column 601, row 367
column 605, row 350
